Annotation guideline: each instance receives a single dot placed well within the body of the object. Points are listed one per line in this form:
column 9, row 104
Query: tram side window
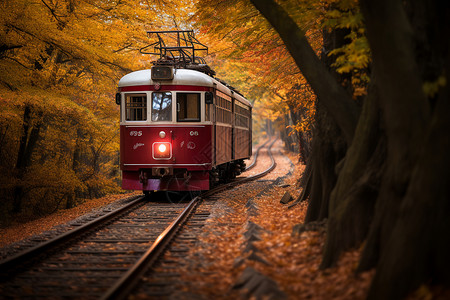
column 241, row 116
column 136, row 107
column 188, row 107
column 161, row 106
column 223, row 110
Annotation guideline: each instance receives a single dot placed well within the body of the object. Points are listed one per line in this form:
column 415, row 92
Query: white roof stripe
column 181, row 77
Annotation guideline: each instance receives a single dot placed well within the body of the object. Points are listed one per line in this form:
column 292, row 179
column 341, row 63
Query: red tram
column 181, row 129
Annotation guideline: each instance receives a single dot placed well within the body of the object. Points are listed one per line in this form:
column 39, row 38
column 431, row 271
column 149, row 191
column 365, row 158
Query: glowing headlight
column 162, row 148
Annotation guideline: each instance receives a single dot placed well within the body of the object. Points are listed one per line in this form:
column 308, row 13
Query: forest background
column 60, row 62
column 358, row 88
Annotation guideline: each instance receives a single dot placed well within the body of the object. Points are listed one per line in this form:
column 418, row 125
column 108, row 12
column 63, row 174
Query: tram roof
column 181, row 77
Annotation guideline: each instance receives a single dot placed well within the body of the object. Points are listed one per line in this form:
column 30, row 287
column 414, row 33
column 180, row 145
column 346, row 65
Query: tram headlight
column 162, row 150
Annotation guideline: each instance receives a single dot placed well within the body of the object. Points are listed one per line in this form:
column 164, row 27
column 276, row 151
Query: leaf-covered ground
column 19, row 230
column 224, row 251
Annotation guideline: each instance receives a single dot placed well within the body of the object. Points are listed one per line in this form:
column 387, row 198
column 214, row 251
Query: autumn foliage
column 358, row 88
column 242, row 40
column 60, row 62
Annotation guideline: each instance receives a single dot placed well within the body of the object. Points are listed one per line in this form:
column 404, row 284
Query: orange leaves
column 19, row 232
column 63, row 59
column 293, row 260
column 250, row 55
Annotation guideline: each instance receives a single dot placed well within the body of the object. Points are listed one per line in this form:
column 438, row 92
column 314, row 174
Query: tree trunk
column 28, row 140
column 353, row 198
column 327, row 150
column 303, row 147
column 418, row 246
column 405, row 110
column 410, row 236
column 305, row 183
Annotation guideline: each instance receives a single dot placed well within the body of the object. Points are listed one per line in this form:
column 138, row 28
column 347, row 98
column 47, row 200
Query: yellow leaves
column 84, row 36
column 353, row 56
column 431, row 88
column 63, row 59
column 351, row 19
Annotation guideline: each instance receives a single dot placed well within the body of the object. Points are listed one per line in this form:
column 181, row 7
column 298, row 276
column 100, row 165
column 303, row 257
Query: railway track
column 106, row 257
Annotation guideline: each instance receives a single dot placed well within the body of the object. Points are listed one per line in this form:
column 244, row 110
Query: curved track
column 106, row 257
column 255, row 155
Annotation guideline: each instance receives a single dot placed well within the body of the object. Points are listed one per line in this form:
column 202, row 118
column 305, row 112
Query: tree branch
column 332, row 95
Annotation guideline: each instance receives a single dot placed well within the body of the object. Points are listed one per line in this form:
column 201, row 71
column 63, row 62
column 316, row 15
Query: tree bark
column 405, row 110
column 409, row 240
column 354, row 196
column 417, row 249
column 328, row 148
column 303, row 147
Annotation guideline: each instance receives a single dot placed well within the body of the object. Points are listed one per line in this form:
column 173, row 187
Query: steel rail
column 8, row 263
column 255, row 157
column 249, row 178
column 268, row 170
column 128, row 281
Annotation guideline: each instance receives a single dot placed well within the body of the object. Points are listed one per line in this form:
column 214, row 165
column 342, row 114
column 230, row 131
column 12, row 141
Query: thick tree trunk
column 353, row 198
column 405, row 110
column 409, row 235
column 327, row 150
column 417, row 249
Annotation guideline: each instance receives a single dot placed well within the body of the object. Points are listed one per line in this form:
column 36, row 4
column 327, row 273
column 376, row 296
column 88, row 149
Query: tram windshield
column 161, row 106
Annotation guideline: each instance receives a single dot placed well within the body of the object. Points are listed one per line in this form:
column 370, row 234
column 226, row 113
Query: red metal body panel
column 191, row 150
column 198, row 182
column 191, row 146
